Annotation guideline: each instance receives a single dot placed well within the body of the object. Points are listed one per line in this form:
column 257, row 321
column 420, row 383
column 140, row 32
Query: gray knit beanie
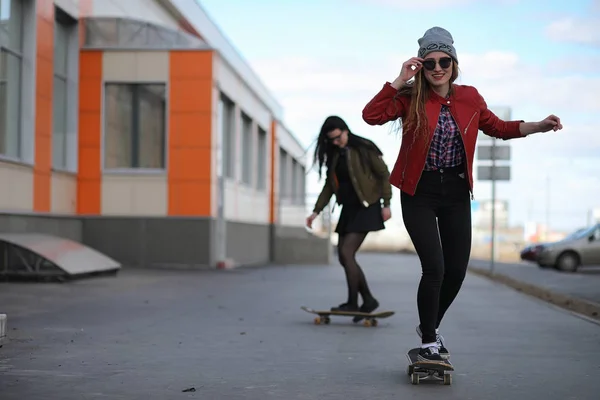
column 437, row 39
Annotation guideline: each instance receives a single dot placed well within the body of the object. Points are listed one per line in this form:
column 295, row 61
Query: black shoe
column 367, row 307
column 444, row 353
column 439, row 339
column 430, row 353
column 346, row 307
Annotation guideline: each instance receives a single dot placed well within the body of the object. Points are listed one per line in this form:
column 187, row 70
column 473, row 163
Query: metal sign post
column 491, row 152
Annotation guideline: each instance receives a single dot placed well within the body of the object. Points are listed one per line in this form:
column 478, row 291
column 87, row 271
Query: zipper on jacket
column 465, row 148
column 353, row 180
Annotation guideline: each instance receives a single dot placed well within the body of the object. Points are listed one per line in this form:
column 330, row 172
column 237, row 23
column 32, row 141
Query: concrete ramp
column 33, row 255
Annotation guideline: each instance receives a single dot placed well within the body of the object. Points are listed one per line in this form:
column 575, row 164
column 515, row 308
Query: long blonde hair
column 418, row 91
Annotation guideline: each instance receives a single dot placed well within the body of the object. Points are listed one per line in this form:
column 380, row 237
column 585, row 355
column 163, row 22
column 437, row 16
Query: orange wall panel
column 193, row 95
column 89, row 176
column 190, row 133
column 42, row 172
column 273, row 166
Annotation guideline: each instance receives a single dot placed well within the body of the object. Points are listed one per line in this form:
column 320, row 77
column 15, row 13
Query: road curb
column 574, row 304
column 3, row 337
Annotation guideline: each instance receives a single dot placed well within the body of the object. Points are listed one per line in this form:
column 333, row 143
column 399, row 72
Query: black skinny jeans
column 443, row 245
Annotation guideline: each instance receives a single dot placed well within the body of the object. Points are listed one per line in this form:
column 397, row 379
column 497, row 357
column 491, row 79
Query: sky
column 538, row 57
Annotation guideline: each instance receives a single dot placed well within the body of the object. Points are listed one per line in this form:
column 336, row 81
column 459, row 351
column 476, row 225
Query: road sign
column 491, row 173
column 500, row 153
column 488, row 151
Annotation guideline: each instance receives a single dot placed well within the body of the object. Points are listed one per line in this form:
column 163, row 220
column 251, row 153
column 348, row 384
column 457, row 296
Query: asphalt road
column 583, row 284
column 240, row 334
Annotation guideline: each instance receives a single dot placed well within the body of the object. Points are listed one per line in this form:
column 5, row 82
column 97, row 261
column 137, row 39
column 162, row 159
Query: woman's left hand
column 551, row 122
column 386, row 213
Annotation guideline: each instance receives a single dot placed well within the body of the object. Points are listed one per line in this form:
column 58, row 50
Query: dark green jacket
column 371, row 185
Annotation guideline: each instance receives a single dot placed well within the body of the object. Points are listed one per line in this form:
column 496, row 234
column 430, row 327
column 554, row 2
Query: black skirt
column 358, row 219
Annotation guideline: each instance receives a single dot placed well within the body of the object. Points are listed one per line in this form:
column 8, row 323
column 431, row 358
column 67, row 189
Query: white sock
column 426, row 345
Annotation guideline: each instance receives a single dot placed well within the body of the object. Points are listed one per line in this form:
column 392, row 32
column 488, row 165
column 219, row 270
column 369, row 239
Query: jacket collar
column 436, row 98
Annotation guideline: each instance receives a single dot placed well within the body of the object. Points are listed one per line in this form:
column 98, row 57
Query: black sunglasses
column 444, row 62
column 333, row 139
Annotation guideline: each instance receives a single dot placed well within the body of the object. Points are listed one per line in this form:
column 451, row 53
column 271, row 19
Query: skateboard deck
column 369, row 319
column 428, row 370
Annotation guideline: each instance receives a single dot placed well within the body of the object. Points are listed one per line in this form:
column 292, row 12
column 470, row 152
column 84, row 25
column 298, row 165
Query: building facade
column 135, row 128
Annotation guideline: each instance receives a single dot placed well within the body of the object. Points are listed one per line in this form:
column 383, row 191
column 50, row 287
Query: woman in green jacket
column 358, row 176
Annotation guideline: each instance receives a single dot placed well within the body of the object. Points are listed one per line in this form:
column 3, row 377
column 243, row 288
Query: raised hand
column 410, row 68
column 551, row 122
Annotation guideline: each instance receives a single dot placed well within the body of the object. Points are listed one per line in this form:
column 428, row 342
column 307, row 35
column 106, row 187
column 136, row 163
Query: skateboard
column 424, row 370
column 369, row 319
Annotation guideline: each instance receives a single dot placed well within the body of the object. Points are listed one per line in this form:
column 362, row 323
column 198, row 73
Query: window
column 247, row 149
column 261, row 174
column 283, row 175
column 11, row 57
column 63, row 28
column 134, row 127
column 129, row 34
column 294, row 183
column 227, row 109
column 301, row 194
column 303, row 186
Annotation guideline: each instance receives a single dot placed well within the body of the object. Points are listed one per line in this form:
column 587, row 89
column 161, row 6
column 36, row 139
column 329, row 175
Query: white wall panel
column 63, row 193
column 17, row 187
column 135, row 66
column 291, row 215
column 134, row 195
column 252, row 206
column 215, row 144
column 243, row 204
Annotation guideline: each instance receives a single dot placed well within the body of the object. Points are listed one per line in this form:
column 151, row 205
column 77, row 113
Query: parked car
column 581, row 248
column 531, row 252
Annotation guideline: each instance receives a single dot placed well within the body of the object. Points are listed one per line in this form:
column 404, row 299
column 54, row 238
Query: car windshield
column 581, row 233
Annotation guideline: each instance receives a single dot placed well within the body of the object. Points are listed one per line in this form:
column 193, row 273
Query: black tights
column 348, row 245
column 438, row 220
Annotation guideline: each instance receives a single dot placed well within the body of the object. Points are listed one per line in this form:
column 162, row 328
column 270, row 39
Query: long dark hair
column 324, row 149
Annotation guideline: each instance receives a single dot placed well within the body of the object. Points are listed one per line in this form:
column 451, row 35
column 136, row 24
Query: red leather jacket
column 468, row 109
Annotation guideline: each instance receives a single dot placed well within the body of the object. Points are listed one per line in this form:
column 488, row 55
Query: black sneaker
column 367, row 307
column 345, row 308
column 439, row 339
column 430, row 353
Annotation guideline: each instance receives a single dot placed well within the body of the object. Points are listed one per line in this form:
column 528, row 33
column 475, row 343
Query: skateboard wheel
column 447, row 379
column 327, row 320
column 367, row 323
column 414, row 379
column 317, row 320
column 409, row 370
column 375, row 322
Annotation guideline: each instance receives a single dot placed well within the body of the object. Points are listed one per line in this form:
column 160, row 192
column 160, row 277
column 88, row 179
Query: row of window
column 292, row 183
column 253, row 155
column 134, row 122
column 11, row 60
column 13, row 82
